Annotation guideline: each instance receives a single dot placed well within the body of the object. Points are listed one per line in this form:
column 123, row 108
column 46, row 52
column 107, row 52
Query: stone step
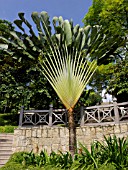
column 6, row 144
column 4, row 157
column 3, row 161
column 6, row 134
column 6, row 137
column 5, row 152
column 6, row 141
column 5, row 147
column 1, row 165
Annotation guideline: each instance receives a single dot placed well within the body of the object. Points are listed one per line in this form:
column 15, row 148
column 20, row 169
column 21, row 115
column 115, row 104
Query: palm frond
column 68, row 75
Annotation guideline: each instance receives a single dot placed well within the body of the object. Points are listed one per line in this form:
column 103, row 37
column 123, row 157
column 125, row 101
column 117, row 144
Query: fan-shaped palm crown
column 66, row 65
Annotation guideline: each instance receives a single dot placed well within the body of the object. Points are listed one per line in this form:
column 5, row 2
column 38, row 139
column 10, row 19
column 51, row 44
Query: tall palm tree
column 66, row 57
column 65, row 66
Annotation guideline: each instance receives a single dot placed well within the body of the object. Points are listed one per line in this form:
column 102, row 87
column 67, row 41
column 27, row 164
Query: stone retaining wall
column 57, row 138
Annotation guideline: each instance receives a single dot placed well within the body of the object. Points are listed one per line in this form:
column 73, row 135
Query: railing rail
column 115, row 112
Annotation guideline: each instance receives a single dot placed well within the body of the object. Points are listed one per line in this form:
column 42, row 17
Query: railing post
column 82, row 115
column 116, row 111
column 50, row 114
column 21, row 115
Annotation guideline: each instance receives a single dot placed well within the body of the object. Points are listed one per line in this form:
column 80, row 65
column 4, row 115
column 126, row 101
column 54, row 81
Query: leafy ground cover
column 110, row 155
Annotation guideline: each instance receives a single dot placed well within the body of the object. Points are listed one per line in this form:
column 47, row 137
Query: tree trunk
column 72, row 132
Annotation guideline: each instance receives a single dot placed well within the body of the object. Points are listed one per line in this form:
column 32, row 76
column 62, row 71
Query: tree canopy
column 21, row 81
column 112, row 15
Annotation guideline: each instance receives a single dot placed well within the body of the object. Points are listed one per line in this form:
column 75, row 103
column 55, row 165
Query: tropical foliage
column 111, row 14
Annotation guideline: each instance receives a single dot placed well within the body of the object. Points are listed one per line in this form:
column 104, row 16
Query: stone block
column 56, row 133
column 28, row 133
column 17, row 132
column 35, row 141
column 15, row 141
column 23, row 132
column 50, row 133
column 93, row 131
column 116, row 129
column 66, row 132
column 44, row 133
column 87, row 131
column 99, row 129
column 39, row 133
column 110, row 129
column 124, row 128
column 62, row 132
column 79, row 131
column 55, row 147
column 34, row 132
column 56, row 140
column 63, row 141
column 99, row 136
column 105, row 130
column 28, row 141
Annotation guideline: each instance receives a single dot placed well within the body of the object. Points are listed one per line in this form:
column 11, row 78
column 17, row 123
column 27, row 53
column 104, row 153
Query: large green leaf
column 68, row 33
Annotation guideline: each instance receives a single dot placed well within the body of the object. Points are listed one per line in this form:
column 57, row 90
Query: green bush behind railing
column 9, row 119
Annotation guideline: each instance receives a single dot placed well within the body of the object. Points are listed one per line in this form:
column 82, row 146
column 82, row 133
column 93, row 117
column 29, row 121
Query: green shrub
column 7, row 129
column 50, row 167
column 63, row 160
column 17, row 157
column 13, row 166
column 34, row 168
column 107, row 167
column 115, row 150
column 1, row 121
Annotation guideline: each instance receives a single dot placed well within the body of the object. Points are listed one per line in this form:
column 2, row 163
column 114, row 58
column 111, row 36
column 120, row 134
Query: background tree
column 21, row 81
column 112, row 15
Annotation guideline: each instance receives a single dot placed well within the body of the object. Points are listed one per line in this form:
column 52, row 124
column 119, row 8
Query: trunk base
column 72, row 133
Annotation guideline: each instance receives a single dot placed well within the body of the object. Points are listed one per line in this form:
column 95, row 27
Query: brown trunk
column 72, row 132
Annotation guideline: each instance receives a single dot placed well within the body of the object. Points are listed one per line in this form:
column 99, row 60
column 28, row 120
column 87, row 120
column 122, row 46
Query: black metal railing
column 115, row 113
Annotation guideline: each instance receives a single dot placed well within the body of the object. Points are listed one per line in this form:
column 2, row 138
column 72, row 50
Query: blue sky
column 75, row 9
